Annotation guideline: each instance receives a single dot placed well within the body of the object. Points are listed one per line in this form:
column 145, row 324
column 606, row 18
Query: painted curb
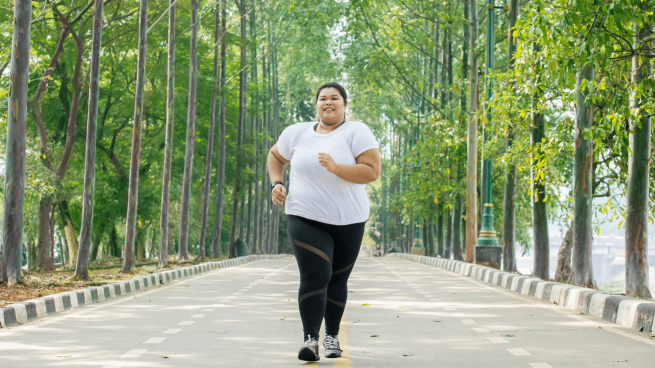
column 27, row 311
column 625, row 311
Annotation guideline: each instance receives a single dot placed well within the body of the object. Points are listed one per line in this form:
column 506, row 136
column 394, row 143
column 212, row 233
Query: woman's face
column 330, row 106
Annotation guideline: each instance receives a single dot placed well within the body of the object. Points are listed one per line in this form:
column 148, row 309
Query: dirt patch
column 39, row 284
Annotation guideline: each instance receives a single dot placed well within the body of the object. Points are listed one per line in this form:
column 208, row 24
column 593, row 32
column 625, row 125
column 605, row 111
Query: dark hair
column 335, row 85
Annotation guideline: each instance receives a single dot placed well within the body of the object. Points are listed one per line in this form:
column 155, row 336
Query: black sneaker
column 309, row 351
column 331, row 345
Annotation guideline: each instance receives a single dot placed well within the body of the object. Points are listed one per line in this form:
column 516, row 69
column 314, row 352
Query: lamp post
column 487, row 251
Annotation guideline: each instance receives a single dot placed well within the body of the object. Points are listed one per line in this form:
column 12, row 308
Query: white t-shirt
column 315, row 193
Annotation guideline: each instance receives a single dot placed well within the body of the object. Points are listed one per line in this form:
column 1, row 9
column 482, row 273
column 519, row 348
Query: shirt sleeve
column 285, row 143
column 363, row 140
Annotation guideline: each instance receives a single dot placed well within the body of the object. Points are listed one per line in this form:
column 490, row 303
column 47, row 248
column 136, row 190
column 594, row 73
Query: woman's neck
column 324, row 128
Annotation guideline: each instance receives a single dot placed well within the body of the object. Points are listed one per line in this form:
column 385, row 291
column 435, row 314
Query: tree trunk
column 133, row 191
column 113, row 242
column 582, row 264
column 563, row 270
column 46, row 251
column 449, row 233
column 636, row 218
column 457, row 230
column 472, row 138
column 81, row 268
column 539, row 209
column 440, row 232
column 509, row 201
column 71, row 236
column 218, row 222
column 242, row 110
column 183, row 246
column 210, row 141
column 168, row 150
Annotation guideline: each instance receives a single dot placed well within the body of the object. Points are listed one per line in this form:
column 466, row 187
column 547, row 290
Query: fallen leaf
column 164, row 356
column 63, row 356
column 365, row 304
column 375, row 335
column 507, row 335
column 620, row 361
column 434, row 320
column 283, row 318
column 408, row 354
column 289, row 300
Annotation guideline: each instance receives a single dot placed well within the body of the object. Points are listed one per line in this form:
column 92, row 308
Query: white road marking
column 172, row 331
column 458, row 314
column 435, row 299
column 238, row 293
column 540, row 365
column 468, row 322
column 113, row 366
column 207, row 310
column 134, row 353
column 519, row 352
column 186, row 323
column 449, row 308
column 499, row 340
column 197, row 316
column 154, row 340
column 480, row 329
column 424, row 292
column 243, row 290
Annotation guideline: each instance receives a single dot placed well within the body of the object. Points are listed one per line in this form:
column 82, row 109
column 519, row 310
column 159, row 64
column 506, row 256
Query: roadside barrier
column 625, row 311
column 27, row 311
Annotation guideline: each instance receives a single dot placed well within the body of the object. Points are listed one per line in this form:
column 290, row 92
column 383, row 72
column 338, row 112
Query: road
column 399, row 314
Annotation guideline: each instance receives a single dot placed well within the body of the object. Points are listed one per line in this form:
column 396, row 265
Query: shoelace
column 310, row 339
column 332, row 343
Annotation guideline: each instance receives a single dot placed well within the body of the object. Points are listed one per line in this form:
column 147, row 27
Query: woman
column 326, row 209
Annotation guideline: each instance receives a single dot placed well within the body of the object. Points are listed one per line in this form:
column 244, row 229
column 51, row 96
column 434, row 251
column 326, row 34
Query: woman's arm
column 275, row 163
column 366, row 170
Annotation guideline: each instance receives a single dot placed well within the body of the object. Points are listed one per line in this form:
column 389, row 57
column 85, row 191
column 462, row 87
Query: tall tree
column 539, row 208
column 15, row 157
column 243, row 76
column 472, row 137
column 636, row 219
column 582, row 260
column 81, row 267
column 164, row 243
column 210, row 138
column 135, row 157
column 183, row 246
column 509, row 205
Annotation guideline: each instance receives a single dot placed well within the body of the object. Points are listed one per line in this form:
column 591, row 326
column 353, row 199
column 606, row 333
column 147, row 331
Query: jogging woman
column 327, row 208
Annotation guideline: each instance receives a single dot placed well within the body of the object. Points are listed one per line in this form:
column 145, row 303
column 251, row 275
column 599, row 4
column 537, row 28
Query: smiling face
column 330, row 106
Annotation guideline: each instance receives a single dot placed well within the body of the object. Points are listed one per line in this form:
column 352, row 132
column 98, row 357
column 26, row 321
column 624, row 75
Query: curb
column 27, row 311
column 625, row 311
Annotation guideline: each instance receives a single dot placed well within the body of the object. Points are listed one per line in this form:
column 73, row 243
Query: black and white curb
column 625, row 311
column 23, row 312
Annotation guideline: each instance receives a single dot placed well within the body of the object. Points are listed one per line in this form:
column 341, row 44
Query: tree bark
column 168, row 150
column 539, row 209
column 218, row 222
column 449, row 233
column 81, row 268
column 133, row 191
column 46, row 251
column 582, row 263
column 472, row 139
column 183, row 246
column 15, row 157
column 242, row 110
column 509, row 200
column 210, row 141
column 636, row 219
column 563, row 270
column 457, row 230
column 440, row 231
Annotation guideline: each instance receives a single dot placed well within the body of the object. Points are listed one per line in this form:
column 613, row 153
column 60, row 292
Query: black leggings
column 326, row 255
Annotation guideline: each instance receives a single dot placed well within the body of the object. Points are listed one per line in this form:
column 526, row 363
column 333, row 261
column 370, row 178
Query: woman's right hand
column 279, row 194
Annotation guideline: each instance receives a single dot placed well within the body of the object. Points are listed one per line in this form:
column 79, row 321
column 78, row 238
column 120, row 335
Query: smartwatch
column 276, row 183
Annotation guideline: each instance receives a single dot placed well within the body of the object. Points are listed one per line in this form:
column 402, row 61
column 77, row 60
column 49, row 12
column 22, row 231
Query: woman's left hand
column 326, row 161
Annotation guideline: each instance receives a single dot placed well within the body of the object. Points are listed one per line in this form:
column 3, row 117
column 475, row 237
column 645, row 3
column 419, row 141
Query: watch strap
column 276, row 183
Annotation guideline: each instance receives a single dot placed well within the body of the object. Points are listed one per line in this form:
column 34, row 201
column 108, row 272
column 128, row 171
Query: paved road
column 399, row 314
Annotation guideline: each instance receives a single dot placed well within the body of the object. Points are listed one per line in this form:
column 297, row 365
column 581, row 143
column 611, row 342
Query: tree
column 243, row 75
column 472, row 138
column 14, row 191
column 636, row 219
column 133, row 193
column 218, row 222
column 183, row 246
column 81, row 267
